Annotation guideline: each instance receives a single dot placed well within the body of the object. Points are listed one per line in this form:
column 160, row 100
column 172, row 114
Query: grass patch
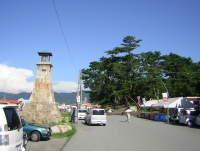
column 66, row 115
column 66, row 118
column 66, row 134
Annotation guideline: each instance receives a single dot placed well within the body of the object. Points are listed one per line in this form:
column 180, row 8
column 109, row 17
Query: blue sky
column 91, row 27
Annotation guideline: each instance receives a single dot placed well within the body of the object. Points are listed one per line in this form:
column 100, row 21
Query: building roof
column 10, row 101
column 44, row 53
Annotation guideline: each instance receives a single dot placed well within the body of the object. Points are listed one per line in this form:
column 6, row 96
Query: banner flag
column 143, row 100
column 165, row 99
column 138, row 97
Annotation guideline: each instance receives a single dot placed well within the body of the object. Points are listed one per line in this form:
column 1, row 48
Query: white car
column 82, row 113
column 11, row 130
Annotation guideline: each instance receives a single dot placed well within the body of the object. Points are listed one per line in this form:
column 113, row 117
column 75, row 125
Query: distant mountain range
column 67, row 98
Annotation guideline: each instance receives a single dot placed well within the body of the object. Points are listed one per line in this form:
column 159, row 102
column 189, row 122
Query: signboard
column 165, row 99
column 78, row 99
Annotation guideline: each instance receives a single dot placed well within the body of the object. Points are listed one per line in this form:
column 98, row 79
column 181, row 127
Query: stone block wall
column 42, row 112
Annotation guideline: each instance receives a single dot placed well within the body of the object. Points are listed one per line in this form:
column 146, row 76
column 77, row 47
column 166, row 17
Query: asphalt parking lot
column 53, row 144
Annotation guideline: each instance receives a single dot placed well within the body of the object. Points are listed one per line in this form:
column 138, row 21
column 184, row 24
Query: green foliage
column 33, row 121
column 114, row 80
column 65, row 117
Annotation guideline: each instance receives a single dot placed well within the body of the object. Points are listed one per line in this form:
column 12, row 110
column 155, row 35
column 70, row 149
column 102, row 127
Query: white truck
column 96, row 116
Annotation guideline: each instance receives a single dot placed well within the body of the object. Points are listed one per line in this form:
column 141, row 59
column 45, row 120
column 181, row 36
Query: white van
column 96, row 116
column 11, row 131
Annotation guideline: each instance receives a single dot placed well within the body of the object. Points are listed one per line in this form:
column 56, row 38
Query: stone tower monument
column 42, row 106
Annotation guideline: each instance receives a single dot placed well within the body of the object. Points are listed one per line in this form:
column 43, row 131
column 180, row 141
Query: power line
column 146, row 72
column 63, row 34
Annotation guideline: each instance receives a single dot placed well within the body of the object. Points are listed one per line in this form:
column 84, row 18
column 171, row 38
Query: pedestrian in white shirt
column 128, row 117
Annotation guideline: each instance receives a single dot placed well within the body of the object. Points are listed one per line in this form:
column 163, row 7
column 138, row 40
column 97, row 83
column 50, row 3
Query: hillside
column 68, row 98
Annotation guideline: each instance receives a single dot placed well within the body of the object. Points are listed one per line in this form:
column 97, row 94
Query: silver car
column 188, row 117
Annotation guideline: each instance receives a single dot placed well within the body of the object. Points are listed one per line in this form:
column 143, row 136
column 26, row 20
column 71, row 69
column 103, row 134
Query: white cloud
column 65, row 86
column 14, row 80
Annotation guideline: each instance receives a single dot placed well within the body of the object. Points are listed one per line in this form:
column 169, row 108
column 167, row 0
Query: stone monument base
column 42, row 112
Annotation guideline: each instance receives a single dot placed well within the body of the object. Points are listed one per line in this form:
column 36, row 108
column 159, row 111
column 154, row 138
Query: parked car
column 82, row 113
column 36, row 132
column 175, row 116
column 11, row 130
column 198, row 120
column 188, row 117
column 96, row 116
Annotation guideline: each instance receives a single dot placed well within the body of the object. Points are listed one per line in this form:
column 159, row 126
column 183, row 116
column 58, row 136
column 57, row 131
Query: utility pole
column 80, row 87
column 79, row 92
column 167, row 101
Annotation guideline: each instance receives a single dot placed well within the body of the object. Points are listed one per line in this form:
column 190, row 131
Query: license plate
column 18, row 147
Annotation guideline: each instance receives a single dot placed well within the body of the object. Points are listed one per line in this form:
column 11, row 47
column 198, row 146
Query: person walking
column 128, row 117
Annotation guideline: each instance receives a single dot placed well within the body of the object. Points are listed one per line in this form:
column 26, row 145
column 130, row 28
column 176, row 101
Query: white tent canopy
column 149, row 104
column 179, row 102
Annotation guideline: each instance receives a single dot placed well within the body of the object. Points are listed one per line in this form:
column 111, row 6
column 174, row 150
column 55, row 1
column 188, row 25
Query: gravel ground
column 53, row 144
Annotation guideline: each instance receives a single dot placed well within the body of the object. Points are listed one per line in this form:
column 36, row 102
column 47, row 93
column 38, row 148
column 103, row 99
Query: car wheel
column 104, row 124
column 35, row 136
column 85, row 122
column 177, row 122
column 189, row 123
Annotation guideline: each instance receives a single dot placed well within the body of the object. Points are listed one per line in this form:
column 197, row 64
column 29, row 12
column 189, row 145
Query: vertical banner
column 138, row 97
column 143, row 100
column 165, row 99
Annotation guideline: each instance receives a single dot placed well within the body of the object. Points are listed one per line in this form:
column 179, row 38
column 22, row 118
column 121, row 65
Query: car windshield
column 82, row 111
column 98, row 112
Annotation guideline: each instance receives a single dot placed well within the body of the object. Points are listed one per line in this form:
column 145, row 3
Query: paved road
column 53, row 144
column 139, row 135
